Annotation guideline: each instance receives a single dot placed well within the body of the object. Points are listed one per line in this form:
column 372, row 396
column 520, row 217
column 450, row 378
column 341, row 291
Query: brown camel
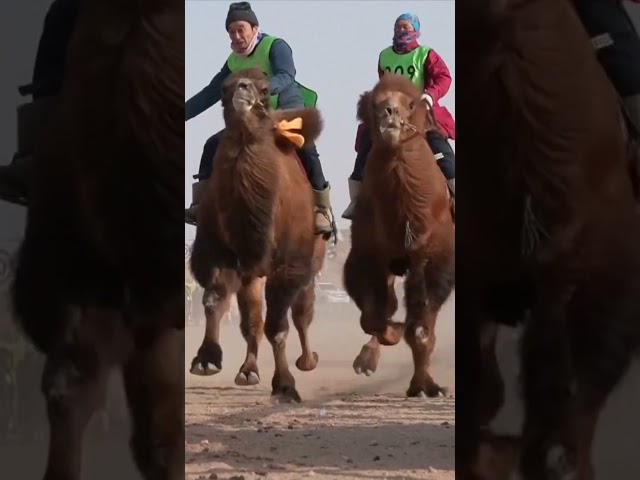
column 552, row 240
column 402, row 226
column 256, row 225
column 96, row 286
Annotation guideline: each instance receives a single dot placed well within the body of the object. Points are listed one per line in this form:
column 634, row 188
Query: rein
column 413, row 128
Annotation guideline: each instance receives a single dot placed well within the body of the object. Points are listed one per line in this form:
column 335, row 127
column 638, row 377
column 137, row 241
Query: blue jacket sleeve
column 282, row 66
column 208, row 96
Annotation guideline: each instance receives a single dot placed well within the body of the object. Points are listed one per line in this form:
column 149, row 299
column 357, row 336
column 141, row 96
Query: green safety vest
column 260, row 58
column 410, row 64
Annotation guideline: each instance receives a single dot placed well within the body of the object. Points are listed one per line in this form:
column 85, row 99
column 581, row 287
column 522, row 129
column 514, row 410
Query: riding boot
column 354, row 191
column 324, row 216
column 191, row 213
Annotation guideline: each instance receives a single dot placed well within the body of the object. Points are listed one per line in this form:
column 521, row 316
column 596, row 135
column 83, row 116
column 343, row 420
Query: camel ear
column 226, row 91
column 312, row 123
column 363, row 112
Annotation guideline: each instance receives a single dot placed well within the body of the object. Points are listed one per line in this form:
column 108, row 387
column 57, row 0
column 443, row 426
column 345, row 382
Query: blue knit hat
column 412, row 18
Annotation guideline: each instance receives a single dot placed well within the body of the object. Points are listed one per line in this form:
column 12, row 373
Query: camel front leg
column 252, row 327
column 154, row 385
column 367, row 360
column 302, row 316
column 280, row 295
column 584, row 432
column 546, row 377
column 74, row 384
column 427, row 288
column 216, row 301
column 72, row 397
column 366, row 282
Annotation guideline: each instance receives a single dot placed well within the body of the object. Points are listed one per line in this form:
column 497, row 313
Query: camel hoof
column 306, row 363
column 359, row 370
column 208, row 360
column 246, row 379
column 285, row 394
column 367, row 361
column 392, row 334
column 204, row 371
column 431, row 391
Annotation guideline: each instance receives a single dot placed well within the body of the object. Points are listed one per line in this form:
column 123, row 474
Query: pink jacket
column 437, row 83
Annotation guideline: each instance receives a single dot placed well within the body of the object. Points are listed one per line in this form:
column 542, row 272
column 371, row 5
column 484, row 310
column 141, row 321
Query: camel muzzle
column 244, row 98
column 391, row 128
column 390, row 120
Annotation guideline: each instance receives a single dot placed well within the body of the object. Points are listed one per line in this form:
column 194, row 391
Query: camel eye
column 265, row 91
column 412, row 105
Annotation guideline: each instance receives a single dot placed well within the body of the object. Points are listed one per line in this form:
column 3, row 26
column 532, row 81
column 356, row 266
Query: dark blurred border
column 478, row 145
column 23, row 424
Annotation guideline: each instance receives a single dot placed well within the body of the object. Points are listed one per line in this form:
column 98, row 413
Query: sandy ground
column 347, row 427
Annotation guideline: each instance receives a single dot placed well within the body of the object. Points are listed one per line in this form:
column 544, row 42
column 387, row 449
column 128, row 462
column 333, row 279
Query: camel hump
column 363, row 110
column 312, row 123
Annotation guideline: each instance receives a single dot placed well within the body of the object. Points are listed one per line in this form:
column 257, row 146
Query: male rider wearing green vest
column 252, row 48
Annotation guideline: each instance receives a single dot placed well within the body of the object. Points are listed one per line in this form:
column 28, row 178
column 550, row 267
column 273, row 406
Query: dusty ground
column 348, row 426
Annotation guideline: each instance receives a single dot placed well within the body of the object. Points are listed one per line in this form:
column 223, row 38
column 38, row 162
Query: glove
column 426, row 98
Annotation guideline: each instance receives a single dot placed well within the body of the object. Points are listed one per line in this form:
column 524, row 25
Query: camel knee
column 72, row 393
column 418, row 336
column 276, row 336
column 215, row 297
column 66, row 379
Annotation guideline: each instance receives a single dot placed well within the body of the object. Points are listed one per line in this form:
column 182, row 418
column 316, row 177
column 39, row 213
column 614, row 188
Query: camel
column 255, row 230
column 402, row 226
column 551, row 242
column 96, row 287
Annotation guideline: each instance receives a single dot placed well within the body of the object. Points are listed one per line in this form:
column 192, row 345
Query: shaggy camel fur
column 402, row 225
column 553, row 239
column 96, row 286
column 256, row 220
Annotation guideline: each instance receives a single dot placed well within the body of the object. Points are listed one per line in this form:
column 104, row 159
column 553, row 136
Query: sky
column 335, row 48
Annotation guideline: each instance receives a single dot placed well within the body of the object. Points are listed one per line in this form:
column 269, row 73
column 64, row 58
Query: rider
column 428, row 72
column 250, row 47
column 48, row 72
column 617, row 45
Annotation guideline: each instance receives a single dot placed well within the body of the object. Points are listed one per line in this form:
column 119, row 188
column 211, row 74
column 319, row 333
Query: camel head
column 393, row 111
column 245, row 97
